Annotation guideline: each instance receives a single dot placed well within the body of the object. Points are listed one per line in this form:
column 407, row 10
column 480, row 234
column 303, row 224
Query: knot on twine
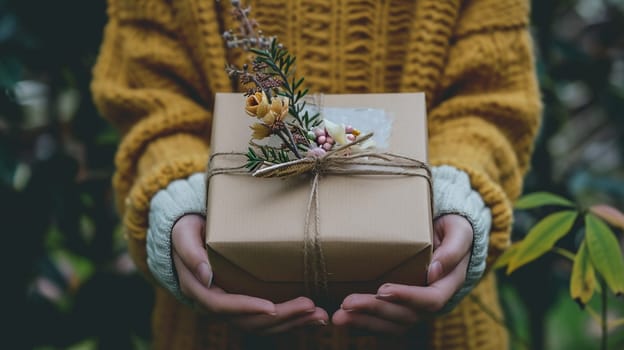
column 336, row 162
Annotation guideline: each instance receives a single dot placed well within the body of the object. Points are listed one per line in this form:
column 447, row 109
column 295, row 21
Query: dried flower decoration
column 276, row 98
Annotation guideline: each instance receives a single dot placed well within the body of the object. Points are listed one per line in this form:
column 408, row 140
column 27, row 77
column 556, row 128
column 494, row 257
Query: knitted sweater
column 162, row 61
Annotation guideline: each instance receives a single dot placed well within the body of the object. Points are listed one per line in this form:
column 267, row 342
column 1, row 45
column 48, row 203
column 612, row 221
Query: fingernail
column 343, row 308
column 435, row 271
column 205, row 274
column 310, row 311
column 272, row 311
column 383, row 291
column 318, row 323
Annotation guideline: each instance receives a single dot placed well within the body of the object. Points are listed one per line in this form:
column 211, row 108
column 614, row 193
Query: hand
column 249, row 313
column 396, row 308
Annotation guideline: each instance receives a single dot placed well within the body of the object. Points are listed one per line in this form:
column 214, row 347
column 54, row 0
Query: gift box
column 372, row 229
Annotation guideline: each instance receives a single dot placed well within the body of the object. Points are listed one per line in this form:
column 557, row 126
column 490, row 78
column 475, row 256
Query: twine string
column 333, row 163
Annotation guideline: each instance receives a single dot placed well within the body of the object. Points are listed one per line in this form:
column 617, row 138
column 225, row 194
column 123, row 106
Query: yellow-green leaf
column 605, row 253
column 539, row 199
column 504, row 259
column 542, row 237
column 583, row 280
column 609, row 214
column 616, row 323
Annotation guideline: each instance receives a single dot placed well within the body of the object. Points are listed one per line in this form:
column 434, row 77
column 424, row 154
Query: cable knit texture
column 161, row 62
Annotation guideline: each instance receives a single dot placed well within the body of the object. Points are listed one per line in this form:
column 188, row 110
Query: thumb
column 188, row 243
column 455, row 235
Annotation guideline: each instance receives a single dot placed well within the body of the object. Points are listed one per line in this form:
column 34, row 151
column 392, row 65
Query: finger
column 428, row 299
column 283, row 312
column 367, row 322
column 369, row 304
column 456, row 240
column 215, row 301
column 188, row 244
column 317, row 318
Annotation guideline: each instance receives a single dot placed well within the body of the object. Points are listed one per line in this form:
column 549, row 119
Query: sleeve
column 487, row 107
column 453, row 194
column 181, row 197
column 146, row 85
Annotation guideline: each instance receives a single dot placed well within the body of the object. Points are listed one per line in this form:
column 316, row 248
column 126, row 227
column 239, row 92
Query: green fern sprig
column 269, row 156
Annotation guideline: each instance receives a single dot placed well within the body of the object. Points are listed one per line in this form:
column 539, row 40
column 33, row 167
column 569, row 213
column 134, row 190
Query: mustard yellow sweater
column 162, row 61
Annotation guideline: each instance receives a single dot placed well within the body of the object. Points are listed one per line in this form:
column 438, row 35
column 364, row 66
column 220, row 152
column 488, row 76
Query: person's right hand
column 249, row 313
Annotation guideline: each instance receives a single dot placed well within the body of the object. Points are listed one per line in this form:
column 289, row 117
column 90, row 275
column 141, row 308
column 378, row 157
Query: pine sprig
column 269, row 156
column 270, row 81
column 279, row 63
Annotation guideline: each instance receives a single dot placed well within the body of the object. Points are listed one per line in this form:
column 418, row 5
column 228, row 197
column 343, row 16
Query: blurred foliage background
column 71, row 283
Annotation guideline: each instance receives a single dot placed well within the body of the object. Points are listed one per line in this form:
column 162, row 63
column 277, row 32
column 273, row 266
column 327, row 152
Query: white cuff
column 453, row 194
column 181, row 197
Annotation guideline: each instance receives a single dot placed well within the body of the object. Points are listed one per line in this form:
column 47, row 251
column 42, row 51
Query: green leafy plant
column 597, row 265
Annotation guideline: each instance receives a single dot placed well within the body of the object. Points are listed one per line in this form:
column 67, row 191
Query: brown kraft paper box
column 373, row 229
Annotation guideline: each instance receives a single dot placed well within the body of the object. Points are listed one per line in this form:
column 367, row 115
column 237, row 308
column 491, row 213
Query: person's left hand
column 396, row 308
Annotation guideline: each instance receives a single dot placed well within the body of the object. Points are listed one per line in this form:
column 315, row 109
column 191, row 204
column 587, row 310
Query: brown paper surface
column 374, row 229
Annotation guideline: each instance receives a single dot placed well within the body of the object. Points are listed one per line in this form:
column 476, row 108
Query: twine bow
column 336, row 162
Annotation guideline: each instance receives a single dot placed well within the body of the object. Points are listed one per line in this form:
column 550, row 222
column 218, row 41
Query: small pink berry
column 319, row 132
column 316, row 152
column 350, row 137
column 327, row 146
column 349, row 129
column 329, row 139
column 321, row 139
